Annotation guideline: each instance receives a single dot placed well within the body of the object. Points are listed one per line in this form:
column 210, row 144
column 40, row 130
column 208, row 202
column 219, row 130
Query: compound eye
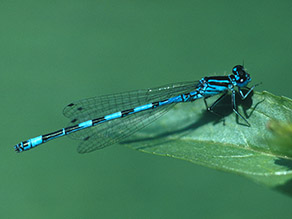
column 238, row 70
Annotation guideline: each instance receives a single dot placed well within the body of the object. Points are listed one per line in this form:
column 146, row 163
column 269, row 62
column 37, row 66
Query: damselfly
column 101, row 121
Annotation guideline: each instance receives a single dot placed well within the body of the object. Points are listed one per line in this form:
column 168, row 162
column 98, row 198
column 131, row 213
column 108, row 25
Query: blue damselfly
column 105, row 120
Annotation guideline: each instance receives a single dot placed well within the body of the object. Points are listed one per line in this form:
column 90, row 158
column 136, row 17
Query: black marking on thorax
column 217, row 81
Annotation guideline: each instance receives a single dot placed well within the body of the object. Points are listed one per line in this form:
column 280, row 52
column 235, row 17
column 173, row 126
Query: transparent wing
column 113, row 131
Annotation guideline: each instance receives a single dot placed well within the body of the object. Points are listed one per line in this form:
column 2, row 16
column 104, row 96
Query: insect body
column 101, row 121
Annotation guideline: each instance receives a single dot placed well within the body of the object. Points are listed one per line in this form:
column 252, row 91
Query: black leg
column 249, row 91
column 234, row 107
column 210, row 109
column 215, row 103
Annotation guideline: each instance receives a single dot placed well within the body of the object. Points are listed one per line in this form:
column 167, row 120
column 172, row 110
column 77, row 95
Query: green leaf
column 282, row 140
column 191, row 133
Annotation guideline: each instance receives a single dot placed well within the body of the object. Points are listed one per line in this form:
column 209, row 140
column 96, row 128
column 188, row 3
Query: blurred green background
column 55, row 52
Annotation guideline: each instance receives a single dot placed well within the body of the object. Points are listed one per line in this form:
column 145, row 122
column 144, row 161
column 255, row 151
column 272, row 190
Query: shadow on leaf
column 284, row 162
column 285, row 188
column 224, row 108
